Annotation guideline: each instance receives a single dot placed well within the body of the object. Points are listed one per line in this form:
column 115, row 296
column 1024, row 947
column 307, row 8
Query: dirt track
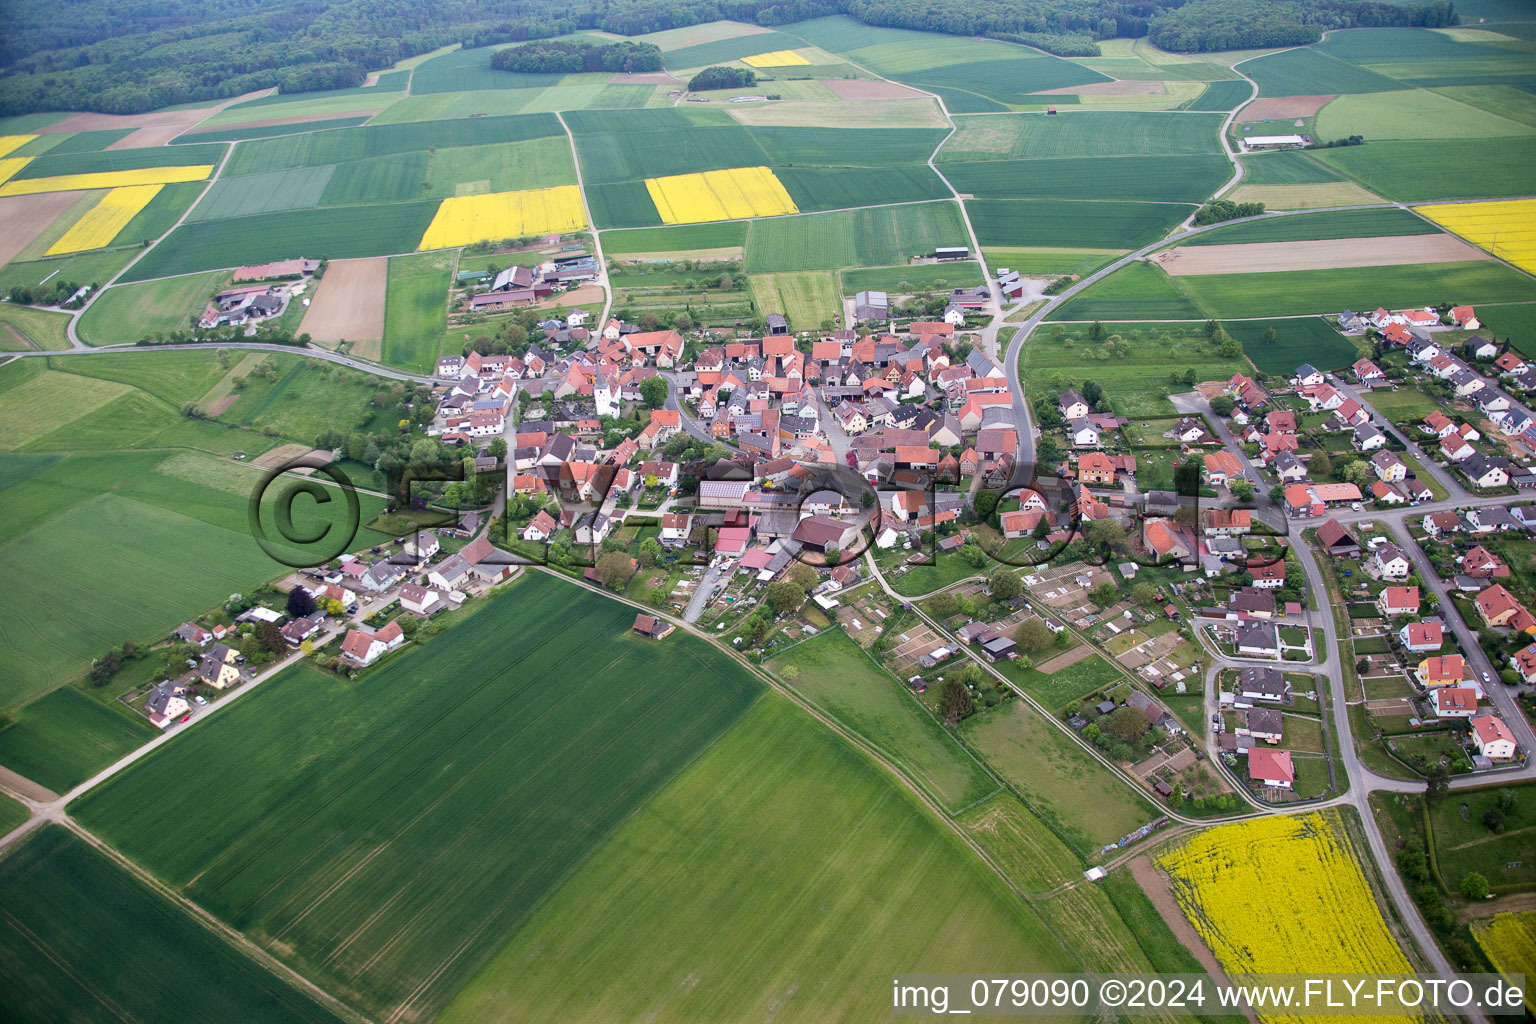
column 23, row 218
column 1278, row 107
column 1325, row 254
column 349, row 303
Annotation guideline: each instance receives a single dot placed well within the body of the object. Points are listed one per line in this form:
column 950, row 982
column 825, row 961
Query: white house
column 420, row 600
column 1493, row 738
column 1083, row 434
column 365, row 648
column 1390, row 562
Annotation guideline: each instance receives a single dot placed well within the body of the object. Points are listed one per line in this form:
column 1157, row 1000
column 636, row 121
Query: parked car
column 199, row 699
column 184, row 717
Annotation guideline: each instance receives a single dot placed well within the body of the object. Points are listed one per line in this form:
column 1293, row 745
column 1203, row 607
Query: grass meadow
column 905, row 280
column 808, row 298
column 1464, row 844
column 681, row 238
column 1156, row 178
column 388, row 846
column 1083, row 802
column 12, row 814
column 23, row 327
column 1132, row 362
column 1285, row 167
column 81, row 938
column 1308, row 72
column 1028, row 853
column 129, row 313
column 836, row 675
column 65, row 737
column 761, row 883
column 415, row 309
column 1137, row 291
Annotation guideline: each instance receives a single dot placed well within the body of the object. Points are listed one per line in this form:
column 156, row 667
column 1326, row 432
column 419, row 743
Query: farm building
column 1275, row 142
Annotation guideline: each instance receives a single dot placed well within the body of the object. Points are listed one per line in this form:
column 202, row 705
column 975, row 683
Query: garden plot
column 911, row 645
column 864, row 620
column 1319, row 254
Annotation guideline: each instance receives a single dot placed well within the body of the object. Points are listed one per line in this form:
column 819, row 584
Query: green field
column 65, row 737
column 1132, row 363
column 1517, row 323
column 808, row 298
column 1285, row 293
column 23, row 327
column 1081, row 134
column 386, row 846
column 1307, row 72
column 1157, row 178
column 294, row 188
column 342, row 145
column 1137, row 291
column 1220, row 96
column 415, row 309
column 833, row 673
column 1342, row 224
column 124, row 314
column 682, row 238
column 162, row 536
column 1028, row 853
column 1415, row 172
column 832, row 188
column 81, row 938
column 761, row 884
column 12, row 814
column 852, row 238
column 49, row 165
column 1297, row 340
column 903, row 280
column 94, row 267
column 1065, row 223
column 336, row 233
column 1285, row 167
column 1411, row 114
column 722, row 50
column 1083, row 802
column 268, row 131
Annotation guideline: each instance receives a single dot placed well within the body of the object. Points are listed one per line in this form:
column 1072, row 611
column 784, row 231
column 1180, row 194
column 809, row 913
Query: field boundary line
column 234, row 938
column 855, row 741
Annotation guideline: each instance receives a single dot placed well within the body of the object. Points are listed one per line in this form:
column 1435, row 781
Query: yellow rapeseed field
column 719, row 195
column 1506, row 228
column 106, row 179
column 103, row 221
column 10, row 143
column 1282, row 895
column 11, row 164
column 1510, row 942
column 463, row 220
column 776, row 59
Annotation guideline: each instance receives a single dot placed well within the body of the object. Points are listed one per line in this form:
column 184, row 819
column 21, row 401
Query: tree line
column 565, row 57
column 127, row 59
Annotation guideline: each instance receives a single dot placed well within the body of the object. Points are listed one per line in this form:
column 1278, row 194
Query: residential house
column 1486, row 471
column 1388, row 467
column 1493, row 738
column 1390, row 563
column 541, row 527
column 1271, row 768
column 419, row 600
column 1095, row 468
column 364, row 649
column 1263, row 684
column 1083, row 434
column 1524, row 663
column 1269, row 576
column 1257, row 640
column 1497, row 607
column 1222, row 467
column 1422, row 637
column 653, row 627
column 1394, row 602
column 1482, row 564
column 1455, row 702
column 166, row 703
column 1265, row 724
column 1441, row 670
column 1073, row 406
